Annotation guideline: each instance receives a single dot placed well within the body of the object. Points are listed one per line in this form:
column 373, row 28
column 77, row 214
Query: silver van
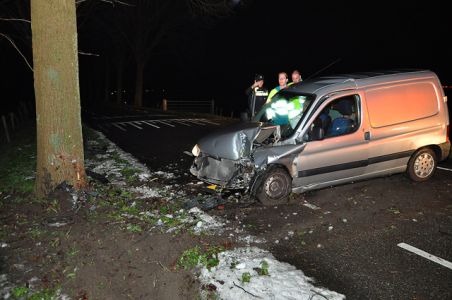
column 332, row 130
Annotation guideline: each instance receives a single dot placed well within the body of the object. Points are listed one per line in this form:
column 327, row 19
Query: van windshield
column 286, row 109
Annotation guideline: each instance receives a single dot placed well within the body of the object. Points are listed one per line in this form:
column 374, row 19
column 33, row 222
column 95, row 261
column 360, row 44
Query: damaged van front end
column 260, row 156
column 226, row 158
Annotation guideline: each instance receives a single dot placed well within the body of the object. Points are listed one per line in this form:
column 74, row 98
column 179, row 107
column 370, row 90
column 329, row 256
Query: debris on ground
column 204, row 202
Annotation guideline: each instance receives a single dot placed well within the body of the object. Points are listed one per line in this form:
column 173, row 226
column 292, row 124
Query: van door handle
column 367, row 135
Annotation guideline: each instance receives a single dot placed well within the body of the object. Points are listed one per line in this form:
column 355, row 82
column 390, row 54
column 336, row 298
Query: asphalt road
column 345, row 237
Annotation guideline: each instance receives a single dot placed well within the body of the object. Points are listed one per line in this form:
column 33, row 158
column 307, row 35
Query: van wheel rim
column 276, row 186
column 424, row 165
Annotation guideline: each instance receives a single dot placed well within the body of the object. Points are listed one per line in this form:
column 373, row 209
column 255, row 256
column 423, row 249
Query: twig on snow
column 246, row 290
column 316, row 294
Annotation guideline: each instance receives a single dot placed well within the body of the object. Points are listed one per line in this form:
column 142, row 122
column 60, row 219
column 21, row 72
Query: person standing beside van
column 257, row 95
column 283, row 78
column 296, row 77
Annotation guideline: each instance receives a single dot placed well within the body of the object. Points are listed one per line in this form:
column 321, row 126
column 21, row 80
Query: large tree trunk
column 138, row 100
column 58, row 122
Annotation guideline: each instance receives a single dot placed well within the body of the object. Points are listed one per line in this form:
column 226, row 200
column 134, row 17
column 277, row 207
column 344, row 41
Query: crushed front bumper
column 231, row 174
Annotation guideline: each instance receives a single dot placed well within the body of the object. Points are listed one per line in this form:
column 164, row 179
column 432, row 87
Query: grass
column 130, row 174
column 22, row 292
column 246, row 277
column 195, row 256
column 263, row 270
column 134, row 228
column 72, row 251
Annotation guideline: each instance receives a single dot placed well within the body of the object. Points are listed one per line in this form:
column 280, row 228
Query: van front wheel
column 275, row 186
column 422, row 165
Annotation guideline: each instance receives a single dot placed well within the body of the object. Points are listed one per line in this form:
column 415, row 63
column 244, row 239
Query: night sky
column 309, row 35
column 218, row 59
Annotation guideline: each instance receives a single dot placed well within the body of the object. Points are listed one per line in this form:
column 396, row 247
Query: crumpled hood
column 232, row 142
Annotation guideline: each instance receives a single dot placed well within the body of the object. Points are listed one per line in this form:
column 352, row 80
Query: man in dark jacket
column 257, row 95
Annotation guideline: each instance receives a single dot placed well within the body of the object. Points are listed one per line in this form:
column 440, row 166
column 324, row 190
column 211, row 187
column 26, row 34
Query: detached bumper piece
column 231, row 174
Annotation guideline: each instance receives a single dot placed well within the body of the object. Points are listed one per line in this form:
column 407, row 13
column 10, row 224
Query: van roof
column 328, row 84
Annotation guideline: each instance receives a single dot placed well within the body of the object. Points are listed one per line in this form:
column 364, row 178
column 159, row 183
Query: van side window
column 339, row 117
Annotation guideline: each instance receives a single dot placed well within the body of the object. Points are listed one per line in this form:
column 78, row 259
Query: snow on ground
column 7, row 290
column 283, row 281
column 110, row 166
column 145, row 192
column 206, row 222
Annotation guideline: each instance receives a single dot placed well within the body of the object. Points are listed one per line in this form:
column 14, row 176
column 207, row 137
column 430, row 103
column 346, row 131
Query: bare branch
column 88, row 54
column 112, row 2
column 118, row 2
column 14, row 45
column 12, row 19
column 210, row 7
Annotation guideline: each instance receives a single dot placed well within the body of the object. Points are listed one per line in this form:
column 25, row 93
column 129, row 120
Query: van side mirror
column 317, row 133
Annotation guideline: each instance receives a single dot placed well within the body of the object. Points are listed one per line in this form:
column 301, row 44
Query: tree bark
column 58, row 122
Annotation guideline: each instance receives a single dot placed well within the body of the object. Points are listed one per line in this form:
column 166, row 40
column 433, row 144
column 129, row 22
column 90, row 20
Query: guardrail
column 206, row 106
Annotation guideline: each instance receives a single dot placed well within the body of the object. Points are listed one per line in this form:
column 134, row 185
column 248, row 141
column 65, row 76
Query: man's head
column 296, row 76
column 282, row 79
column 259, row 79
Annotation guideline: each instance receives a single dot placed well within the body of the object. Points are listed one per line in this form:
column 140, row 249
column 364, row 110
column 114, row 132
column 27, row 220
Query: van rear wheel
column 422, row 165
column 275, row 186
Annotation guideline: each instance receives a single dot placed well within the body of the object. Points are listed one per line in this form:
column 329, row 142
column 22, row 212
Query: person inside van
column 344, row 123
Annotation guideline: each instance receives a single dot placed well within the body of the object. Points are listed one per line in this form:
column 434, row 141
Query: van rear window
column 402, row 103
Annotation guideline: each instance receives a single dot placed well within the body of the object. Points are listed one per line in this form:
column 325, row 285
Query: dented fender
column 284, row 155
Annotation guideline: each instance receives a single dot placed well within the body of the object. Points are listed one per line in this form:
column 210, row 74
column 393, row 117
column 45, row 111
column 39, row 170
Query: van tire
column 422, row 165
column 274, row 187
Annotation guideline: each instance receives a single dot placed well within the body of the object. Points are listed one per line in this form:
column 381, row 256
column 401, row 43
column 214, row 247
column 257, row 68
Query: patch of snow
column 144, row 176
column 283, row 282
column 92, row 143
column 3, row 245
column 145, row 192
column 5, row 287
column 251, row 239
column 165, row 175
column 311, row 206
column 57, row 224
column 206, row 222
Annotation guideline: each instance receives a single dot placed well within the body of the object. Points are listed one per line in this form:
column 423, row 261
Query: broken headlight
column 196, row 151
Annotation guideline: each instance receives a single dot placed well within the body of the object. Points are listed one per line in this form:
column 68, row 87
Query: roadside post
column 212, row 106
column 165, row 105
